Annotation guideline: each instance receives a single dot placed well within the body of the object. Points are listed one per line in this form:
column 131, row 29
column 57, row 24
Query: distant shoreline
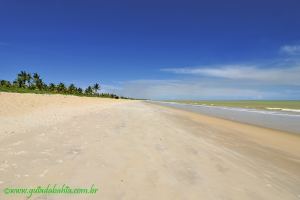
column 278, row 105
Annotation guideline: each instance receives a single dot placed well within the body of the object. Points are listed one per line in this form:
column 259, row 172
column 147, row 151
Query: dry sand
column 136, row 150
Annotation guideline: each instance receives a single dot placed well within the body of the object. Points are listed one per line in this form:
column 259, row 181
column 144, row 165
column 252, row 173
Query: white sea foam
column 272, row 111
column 285, row 109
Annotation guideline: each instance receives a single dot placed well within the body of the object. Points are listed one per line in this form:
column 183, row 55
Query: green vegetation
column 256, row 104
column 27, row 83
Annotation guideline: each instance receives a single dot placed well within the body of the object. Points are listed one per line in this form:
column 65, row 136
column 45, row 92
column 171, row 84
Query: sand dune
column 136, row 150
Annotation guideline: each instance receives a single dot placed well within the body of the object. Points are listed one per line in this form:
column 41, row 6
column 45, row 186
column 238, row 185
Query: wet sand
column 136, row 150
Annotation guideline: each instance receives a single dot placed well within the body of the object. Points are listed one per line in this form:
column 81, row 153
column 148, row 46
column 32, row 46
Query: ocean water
column 288, row 121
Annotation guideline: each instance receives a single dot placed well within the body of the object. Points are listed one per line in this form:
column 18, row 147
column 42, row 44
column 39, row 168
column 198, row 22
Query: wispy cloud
column 287, row 75
column 279, row 79
column 196, row 89
column 290, row 49
column 110, row 88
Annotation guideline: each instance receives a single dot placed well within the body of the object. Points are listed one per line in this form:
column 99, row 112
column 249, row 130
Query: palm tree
column 16, row 84
column 8, row 84
column 88, row 91
column 25, row 80
column 61, row 88
column 79, row 90
column 96, row 87
column 72, row 89
column 21, row 79
column 38, row 82
column 52, row 87
column 44, row 86
column 36, row 76
column 28, row 79
column 5, row 83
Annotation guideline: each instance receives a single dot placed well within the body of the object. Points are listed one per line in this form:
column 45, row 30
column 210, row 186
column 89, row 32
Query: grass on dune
column 26, row 90
column 22, row 90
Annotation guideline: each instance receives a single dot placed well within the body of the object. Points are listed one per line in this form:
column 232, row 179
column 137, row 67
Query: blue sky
column 213, row 49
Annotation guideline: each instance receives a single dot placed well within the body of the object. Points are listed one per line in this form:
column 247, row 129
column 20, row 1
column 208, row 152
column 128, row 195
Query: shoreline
column 261, row 105
column 275, row 120
column 277, row 138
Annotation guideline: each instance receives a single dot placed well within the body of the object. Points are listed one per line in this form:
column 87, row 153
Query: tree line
column 26, row 82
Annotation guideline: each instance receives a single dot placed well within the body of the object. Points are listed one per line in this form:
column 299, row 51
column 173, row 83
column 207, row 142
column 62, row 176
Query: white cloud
column 221, row 82
column 283, row 75
column 109, row 88
column 290, row 49
column 279, row 80
column 191, row 89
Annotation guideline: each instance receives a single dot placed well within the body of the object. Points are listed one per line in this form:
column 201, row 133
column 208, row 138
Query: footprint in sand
column 44, row 173
column 17, row 143
column 4, row 165
column 20, row 153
